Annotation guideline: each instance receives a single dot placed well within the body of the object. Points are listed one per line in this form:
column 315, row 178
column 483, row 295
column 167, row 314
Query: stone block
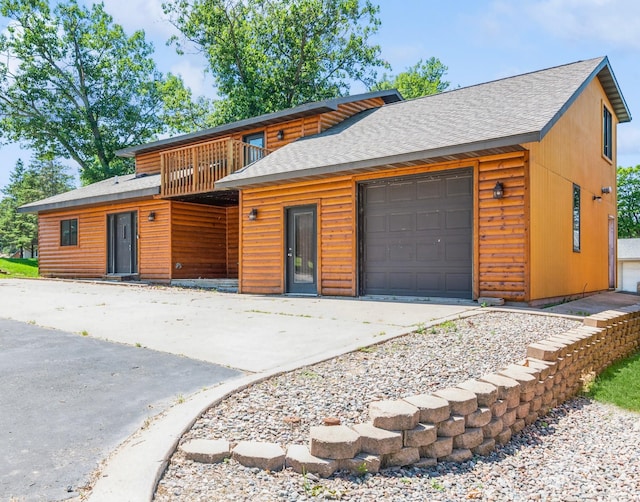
column 378, row 441
column 525, row 397
column 425, row 463
column 507, row 387
column 206, row 451
column 532, row 370
column 334, row 442
column 458, row 455
column 453, row 426
column 518, row 426
column 540, row 387
column 485, row 448
column 266, row 456
column 461, row 402
column 536, row 403
column 441, row 447
column 432, row 409
column 505, row 436
column 522, row 410
column 531, row 418
column 486, row 393
column 479, row 418
column 421, row 435
column 545, row 368
column 394, row 415
column 299, row 459
column 527, row 382
column 543, row 351
column 406, row 456
column 498, row 408
column 469, row 439
column 513, row 401
column 361, row 464
column 509, row 417
column 493, row 428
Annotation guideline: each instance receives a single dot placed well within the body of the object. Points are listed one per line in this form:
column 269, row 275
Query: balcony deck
column 195, row 169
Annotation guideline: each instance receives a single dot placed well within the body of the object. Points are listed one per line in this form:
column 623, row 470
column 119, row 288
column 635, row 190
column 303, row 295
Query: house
column 504, row 189
column 169, row 221
column 629, row 265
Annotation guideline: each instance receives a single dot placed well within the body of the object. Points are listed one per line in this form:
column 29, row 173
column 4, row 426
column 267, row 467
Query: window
column 576, row 218
column 607, row 133
column 255, row 150
column 69, row 232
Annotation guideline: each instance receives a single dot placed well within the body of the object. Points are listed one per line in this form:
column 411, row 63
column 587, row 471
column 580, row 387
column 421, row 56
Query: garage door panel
column 418, row 236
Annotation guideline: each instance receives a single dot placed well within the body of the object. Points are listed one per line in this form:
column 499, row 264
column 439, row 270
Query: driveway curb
column 131, row 473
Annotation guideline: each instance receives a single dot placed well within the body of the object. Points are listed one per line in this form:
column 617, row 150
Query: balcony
column 195, row 169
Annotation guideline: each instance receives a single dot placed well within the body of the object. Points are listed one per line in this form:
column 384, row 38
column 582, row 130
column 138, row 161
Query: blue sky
column 478, row 40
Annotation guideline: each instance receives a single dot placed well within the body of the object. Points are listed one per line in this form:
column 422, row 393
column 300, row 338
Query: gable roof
column 493, row 117
column 113, row 189
column 305, row 110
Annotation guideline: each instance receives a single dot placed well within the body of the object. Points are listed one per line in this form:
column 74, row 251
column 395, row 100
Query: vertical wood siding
column 198, row 241
column 89, row 257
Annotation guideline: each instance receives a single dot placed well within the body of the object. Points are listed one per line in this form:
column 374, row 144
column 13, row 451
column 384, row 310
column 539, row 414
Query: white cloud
column 194, row 76
column 144, row 15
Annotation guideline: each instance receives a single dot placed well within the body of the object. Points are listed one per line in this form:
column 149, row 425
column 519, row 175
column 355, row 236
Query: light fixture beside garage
column 280, row 135
column 152, row 216
column 253, row 214
column 498, row 190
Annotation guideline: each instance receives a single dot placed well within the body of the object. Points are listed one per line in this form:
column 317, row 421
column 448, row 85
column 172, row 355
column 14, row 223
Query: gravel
column 582, row 450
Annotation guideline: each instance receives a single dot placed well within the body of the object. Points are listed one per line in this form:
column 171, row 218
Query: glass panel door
column 301, row 252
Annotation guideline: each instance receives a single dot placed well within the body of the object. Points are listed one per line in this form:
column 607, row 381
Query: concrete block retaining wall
column 453, row 424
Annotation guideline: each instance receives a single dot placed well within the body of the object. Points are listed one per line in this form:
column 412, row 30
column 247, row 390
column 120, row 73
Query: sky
column 478, row 40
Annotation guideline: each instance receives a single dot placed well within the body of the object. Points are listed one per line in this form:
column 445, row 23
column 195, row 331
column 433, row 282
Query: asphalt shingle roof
column 487, row 116
column 112, row 189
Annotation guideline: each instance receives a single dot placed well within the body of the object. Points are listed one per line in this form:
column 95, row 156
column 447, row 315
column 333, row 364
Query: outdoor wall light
column 152, row 216
column 597, row 198
column 253, row 214
column 280, row 135
column 498, row 190
column 606, row 189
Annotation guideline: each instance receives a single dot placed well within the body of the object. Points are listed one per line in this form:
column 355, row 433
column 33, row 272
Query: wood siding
column 571, row 153
column 149, row 163
column 499, row 264
column 233, row 235
column 89, row 257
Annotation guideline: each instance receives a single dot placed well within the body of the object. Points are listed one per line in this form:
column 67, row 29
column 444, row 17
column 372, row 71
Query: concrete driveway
column 251, row 333
column 69, row 400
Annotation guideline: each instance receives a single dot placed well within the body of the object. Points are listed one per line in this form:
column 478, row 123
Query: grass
column 19, row 267
column 619, row 384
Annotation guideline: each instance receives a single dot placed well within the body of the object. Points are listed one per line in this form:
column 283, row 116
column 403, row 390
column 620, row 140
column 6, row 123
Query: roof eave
column 388, row 96
column 87, row 201
column 382, row 162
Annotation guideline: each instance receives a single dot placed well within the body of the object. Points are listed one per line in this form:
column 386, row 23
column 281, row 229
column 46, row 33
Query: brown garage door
column 417, row 235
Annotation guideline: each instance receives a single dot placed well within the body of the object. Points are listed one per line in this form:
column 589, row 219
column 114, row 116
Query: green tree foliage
column 628, row 201
column 422, row 79
column 74, row 85
column 271, row 55
column 42, row 178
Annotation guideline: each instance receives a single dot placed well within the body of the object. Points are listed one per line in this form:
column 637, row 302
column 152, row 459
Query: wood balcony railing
column 195, row 169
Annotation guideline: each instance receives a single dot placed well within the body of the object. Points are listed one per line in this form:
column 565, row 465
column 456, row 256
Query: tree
column 74, row 85
column 271, row 55
column 43, row 178
column 422, row 79
column 628, row 201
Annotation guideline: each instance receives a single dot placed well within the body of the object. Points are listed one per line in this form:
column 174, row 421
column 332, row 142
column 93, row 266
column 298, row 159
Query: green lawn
column 619, row 384
column 18, row 267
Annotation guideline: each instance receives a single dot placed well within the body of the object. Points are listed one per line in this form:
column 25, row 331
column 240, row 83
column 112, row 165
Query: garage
column 417, row 235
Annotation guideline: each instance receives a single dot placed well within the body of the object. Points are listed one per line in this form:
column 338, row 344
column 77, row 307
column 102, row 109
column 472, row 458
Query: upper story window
column 252, row 154
column 576, row 218
column 607, row 133
column 69, row 232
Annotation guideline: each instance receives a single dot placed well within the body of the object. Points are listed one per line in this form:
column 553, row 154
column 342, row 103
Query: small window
column 607, row 133
column 576, row 218
column 69, row 232
column 254, row 147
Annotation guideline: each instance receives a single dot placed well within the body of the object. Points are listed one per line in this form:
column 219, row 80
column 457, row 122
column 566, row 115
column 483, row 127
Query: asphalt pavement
column 69, row 400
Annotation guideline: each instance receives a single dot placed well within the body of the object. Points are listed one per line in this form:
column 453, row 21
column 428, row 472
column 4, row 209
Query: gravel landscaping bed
column 580, row 451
